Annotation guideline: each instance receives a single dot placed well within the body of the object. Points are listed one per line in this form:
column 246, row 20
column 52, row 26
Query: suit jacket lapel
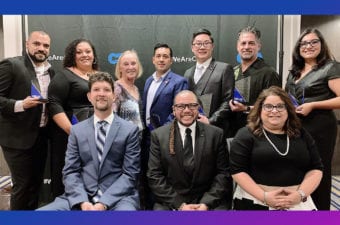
column 203, row 82
column 113, row 131
column 164, row 83
column 91, row 138
column 32, row 74
column 199, row 147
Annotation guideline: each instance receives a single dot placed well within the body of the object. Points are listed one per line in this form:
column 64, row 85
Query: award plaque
column 242, row 91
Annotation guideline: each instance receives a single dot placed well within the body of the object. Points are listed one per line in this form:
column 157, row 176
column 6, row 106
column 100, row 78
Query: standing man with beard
column 252, row 75
column 23, row 135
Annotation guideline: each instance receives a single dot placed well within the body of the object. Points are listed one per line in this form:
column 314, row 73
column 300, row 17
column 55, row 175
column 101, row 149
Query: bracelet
column 265, row 197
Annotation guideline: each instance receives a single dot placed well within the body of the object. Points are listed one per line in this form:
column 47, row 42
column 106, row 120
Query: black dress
column 67, row 93
column 321, row 124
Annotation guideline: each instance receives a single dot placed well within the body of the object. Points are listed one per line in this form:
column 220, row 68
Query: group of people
column 112, row 149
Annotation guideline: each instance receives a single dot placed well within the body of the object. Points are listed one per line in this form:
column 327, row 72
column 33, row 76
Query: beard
column 38, row 57
column 102, row 107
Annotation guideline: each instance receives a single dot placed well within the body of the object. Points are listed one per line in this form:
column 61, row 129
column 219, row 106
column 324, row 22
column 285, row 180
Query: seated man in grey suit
column 188, row 164
column 102, row 158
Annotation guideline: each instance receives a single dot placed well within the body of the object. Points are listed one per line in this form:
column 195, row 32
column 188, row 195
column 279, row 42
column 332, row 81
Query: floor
column 5, row 183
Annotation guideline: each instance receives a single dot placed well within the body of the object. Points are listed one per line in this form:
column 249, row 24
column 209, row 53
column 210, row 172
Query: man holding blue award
column 252, row 75
column 24, row 82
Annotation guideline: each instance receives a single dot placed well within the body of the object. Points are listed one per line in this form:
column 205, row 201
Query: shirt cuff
column 19, row 106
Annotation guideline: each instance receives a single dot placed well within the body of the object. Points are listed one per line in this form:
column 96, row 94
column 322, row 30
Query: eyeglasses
column 270, row 107
column 191, row 106
column 204, row 44
column 312, row 43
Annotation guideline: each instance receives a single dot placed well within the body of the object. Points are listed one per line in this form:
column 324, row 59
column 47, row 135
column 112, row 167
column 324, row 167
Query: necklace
column 82, row 73
column 275, row 148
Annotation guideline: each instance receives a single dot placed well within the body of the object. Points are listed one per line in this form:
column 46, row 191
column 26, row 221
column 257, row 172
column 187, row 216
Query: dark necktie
column 101, row 135
column 188, row 152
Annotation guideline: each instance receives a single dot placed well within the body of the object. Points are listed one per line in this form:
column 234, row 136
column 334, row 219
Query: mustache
column 40, row 52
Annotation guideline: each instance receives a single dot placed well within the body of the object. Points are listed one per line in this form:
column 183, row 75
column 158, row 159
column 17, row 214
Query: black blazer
column 210, row 182
column 218, row 80
column 18, row 130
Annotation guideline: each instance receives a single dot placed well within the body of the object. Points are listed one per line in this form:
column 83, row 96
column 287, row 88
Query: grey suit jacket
column 116, row 174
column 210, row 182
column 217, row 80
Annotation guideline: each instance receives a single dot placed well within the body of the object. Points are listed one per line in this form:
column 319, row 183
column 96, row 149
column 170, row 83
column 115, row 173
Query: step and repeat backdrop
column 113, row 34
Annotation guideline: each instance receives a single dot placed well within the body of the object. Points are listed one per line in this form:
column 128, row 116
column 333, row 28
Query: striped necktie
column 101, row 135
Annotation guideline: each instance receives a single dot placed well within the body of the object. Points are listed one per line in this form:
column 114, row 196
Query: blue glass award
column 294, row 100
column 35, row 91
column 238, row 96
column 74, row 120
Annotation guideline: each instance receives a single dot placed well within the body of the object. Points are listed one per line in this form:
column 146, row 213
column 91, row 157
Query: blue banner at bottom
column 170, row 218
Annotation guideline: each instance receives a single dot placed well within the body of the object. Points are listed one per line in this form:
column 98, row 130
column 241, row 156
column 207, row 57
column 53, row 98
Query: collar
column 192, row 127
column 108, row 119
column 46, row 65
column 205, row 64
column 162, row 77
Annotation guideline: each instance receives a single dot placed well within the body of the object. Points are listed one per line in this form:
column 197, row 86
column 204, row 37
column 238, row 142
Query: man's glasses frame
column 191, row 106
column 205, row 44
column 270, row 107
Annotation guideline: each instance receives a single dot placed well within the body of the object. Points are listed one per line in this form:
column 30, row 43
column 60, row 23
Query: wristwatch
column 303, row 195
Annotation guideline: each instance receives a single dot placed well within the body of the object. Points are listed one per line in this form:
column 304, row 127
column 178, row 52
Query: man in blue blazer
column 159, row 91
column 107, row 182
column 161, row 88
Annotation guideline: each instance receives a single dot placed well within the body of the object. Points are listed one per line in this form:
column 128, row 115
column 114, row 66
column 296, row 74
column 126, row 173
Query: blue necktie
column 101, row 135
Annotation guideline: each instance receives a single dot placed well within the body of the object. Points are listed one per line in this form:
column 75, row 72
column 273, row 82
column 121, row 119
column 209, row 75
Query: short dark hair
column 202, row 31
column 162, row 45
column 101, row 76
column 70, row 54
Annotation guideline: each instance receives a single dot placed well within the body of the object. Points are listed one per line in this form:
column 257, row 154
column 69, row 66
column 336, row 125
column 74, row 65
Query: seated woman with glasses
column 274, row 161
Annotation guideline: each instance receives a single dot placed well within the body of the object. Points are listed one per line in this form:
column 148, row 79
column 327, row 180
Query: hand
column 86, row 206
column 203, row 119
column 304, row 109
column 189, row 207
column 202, row 207
column 291, row 198
column 273, row 198
column 236, row 106
column 100, row 206
column 30, row 102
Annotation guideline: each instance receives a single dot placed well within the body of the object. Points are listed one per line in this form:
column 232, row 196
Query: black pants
column 247, row 204
column 27, row 169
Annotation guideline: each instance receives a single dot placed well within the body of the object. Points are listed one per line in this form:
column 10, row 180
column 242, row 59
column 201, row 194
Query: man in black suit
column 211, row 81
column 23, row 136
column 189, row 180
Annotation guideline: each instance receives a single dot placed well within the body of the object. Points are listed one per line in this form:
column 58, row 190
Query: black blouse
column 67, row 93
column 256, row 157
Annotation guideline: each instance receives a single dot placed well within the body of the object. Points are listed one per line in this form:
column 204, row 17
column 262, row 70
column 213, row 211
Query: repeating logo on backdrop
column 113, row 57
